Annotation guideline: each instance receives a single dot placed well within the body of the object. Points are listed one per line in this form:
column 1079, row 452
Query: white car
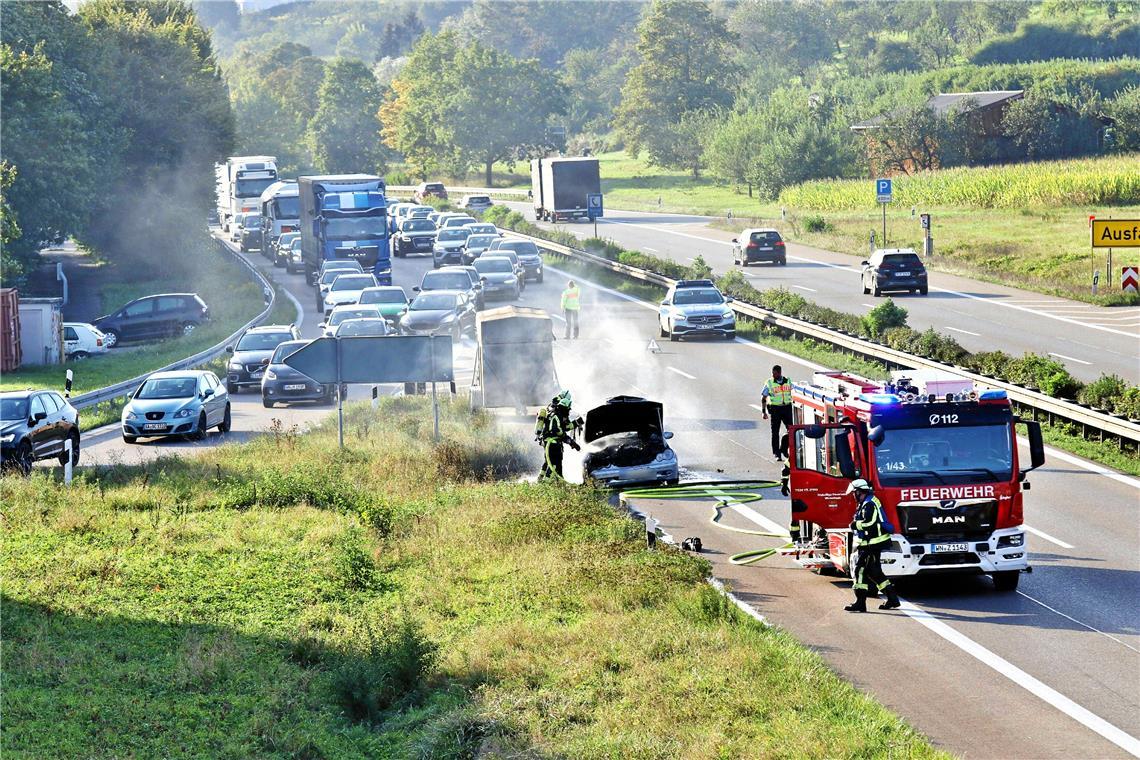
column 476, row 202
column 346, row 289
column 236, row 228
column 81, row 340
column 348, row 311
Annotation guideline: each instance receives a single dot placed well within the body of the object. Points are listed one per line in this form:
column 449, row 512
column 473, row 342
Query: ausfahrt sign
column 1115, row 233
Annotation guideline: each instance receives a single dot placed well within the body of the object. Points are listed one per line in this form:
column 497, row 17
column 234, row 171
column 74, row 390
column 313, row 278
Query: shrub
column 1103, row 391
column 355, row 570
column 1047, row 375
column 817, row 224
column 883, row 317
column 389, row 666
column 700, row 269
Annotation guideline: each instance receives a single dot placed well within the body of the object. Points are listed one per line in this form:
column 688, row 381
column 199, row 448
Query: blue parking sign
column 883, row 190
column 594, row 205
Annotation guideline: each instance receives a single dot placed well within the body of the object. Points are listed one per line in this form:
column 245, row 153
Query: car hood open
column 624, row 414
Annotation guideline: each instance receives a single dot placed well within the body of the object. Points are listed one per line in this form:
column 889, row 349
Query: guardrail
column 1037, row 403
column 505, row 193
column 128, row 386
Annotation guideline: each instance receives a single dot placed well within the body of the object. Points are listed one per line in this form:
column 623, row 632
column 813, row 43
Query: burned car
column 626, row 443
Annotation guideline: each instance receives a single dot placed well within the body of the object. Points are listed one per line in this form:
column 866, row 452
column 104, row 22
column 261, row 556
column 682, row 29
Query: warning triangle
column 653, row 348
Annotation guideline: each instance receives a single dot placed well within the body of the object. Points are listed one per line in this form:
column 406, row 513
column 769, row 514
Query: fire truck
column 942, row 457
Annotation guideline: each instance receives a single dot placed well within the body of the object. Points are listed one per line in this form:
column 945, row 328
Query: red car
column 430, row 190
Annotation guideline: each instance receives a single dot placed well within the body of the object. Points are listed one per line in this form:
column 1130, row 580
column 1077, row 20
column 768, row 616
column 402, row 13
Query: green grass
column 224, row 285
column 283, row 598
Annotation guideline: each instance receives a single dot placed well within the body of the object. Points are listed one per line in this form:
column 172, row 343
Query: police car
column 696, row 307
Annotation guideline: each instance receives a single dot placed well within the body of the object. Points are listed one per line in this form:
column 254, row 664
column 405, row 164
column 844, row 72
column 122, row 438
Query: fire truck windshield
column 941, row 455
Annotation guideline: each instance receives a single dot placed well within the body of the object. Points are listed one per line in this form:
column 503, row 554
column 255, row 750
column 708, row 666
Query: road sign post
column 594, row 209
column 883, row 193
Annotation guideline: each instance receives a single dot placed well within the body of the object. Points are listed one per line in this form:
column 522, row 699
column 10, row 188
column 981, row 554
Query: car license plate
column 902, row 274
column 766, row 249
column 943, row 548
column 256, row 375
column 704, row 327
column 154, row 426
column 295, row 387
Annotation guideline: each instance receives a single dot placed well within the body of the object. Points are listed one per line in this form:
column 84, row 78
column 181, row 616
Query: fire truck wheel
column 1006, row 580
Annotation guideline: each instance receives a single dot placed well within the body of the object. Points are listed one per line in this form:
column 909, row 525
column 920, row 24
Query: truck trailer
column 280, row 213
column 345, row 216
column 559, row 187
column 241, row 180
column 942, row 457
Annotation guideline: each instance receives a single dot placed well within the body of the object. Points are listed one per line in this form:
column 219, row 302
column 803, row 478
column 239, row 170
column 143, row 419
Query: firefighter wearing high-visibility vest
column 871, row 537
column 571, row 305
column 776, row 401
column 553, row 429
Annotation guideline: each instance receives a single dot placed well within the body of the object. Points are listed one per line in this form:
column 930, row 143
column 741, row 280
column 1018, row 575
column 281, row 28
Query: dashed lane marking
column 1047, row 537
column 967, row 332
column 681, row 372
column 1069, row 358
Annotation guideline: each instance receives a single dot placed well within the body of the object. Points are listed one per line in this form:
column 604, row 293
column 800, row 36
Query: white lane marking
column 989, row 300
column 1119, row 477
column 967, row 332
column 1088, row 719
column 1047, row 537
column 681, row 372
column 757, row 407
column 1079, row 622
column 1069, row 358
column 869, row 305
column 810, row 290
column 559, row 317
column 769, row 525
column 689, row 258
column 647, row 248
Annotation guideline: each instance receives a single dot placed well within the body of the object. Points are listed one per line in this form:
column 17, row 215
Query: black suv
column 251, row 355
column 159, row 316
column 36, row 425
column 894, row 269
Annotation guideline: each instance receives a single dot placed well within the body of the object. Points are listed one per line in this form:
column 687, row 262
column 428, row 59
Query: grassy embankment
column 1023, row 225
column 282, row 598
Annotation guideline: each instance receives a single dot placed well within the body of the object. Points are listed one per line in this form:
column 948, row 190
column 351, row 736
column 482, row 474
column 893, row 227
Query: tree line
column 109, row 116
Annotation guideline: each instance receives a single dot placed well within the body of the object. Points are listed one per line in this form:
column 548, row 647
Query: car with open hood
column 626, row 443
column 187, row 402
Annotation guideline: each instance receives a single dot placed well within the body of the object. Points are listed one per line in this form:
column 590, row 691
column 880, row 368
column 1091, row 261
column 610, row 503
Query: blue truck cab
column 345, row 216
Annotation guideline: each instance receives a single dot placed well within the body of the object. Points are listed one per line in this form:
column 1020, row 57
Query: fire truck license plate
column 951, row 547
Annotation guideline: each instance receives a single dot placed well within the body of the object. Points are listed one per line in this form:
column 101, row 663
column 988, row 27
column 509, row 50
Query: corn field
column 1105, row 181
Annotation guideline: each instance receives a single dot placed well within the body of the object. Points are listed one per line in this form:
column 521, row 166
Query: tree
column 893, row 56
column 683, row 65
column 344, row 133
column 790, row 36
column 733, row 146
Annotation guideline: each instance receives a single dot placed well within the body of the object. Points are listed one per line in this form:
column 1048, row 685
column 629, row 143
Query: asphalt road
column 1089, row 339
column 1048, row 671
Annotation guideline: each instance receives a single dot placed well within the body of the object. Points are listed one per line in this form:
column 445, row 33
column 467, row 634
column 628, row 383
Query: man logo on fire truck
column 941, row 457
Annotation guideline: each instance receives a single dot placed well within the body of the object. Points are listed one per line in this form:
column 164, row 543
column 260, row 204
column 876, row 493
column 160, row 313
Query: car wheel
column 74, row 438
column 267, row 403
column 224, row 425
column 866, row 290
column 730, row 335
column 923, row 290
column 673, row 335
column 539, row 278
column 200, row 431
column 130, row 439
column 783, row 262
column 188, row 327
column 78, row 356
column 1006, row 580
column 110, row 338
column 231, row 388
column 662, row 330
column 518, row 294
column 24, row 458
column 877, row 291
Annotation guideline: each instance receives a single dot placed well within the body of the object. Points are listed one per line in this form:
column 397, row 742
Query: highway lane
column 981, row 316
column 1074, row 625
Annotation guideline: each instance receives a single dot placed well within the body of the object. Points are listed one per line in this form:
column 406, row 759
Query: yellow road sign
column 1116, row 233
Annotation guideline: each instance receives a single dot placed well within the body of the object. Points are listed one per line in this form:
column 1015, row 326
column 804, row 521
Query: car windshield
column 355, row 228
column 479, row 241
column 339, row 316
column 251, row 221
column 921, row 456
column 363, row 327
column 261, row 341
column 479, row 199
column 453, row 235
column 446, row 281
column 764, row 237
column 521, row 247
column 285, row 349
column 14, row 408
column 169, row 387
column 384, row 296
column 353, row 282
column 417, row 225
column 902, row 260
column 434, row 302
column 484, row 266
column 696, row 296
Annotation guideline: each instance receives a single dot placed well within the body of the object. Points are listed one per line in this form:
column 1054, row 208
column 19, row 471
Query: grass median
column 395, row 599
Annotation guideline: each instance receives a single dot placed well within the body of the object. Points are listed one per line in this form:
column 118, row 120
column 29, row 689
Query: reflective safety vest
column 779, row 392
column 570, row 299
column 869, row 523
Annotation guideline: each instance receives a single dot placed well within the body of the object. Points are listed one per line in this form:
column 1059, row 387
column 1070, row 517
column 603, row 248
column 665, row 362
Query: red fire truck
column 942, row 458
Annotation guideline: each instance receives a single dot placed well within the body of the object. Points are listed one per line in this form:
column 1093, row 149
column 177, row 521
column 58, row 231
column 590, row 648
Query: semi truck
column 280, row 212
column 559, row 187
column 241, row 180
column 942, row 457
column 345, row 216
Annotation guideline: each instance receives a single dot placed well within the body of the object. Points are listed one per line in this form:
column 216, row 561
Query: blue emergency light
column 880, row 398
column 992, row 395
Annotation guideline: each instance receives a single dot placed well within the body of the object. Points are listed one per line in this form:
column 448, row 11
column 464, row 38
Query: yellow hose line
column 740, row 493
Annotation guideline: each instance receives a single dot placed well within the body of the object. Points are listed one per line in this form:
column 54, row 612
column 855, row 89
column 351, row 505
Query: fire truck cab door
column 822, row 461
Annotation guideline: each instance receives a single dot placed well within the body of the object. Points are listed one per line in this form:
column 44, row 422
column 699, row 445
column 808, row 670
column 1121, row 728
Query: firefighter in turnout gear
column 872, row 536
column 553, row 429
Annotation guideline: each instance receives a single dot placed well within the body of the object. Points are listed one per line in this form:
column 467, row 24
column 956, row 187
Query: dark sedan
column 252, row 352
column 37, row 425
column 528, row 255
column 498, row 275
column 438, row 312
column 283, row 384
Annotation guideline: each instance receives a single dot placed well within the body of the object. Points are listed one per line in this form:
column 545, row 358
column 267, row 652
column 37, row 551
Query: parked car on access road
column 36, row 425
column 188, row 402
column 626, row 443
column 81, row 340
column 250, row 355
column 894, row 269
column 696, row 307
column 159, row 316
